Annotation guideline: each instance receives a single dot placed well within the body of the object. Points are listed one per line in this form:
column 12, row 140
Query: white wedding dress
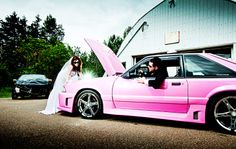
column 52, row 102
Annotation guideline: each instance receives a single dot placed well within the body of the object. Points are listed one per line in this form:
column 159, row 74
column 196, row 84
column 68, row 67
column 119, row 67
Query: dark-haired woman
column 72, row 70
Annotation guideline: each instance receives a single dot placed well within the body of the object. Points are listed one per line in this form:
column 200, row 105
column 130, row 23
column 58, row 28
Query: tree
column 94, row 66
column 126, row 32
column 4, row 75
column 114, row 43
column 30, row 50
column 51, row 61
column 12, row 31
column 22, row 46
column 44, row 58
column 51, row 31
column 39, row 49
column 34, row 29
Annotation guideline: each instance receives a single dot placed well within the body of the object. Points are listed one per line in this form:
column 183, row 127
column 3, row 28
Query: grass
column 5, row 92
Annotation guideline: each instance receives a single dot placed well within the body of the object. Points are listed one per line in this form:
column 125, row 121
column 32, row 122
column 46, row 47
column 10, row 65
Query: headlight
column 17, row 89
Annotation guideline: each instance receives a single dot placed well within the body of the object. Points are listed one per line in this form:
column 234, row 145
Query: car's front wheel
column 223, row 114
column 89, row 104
column 14, row 95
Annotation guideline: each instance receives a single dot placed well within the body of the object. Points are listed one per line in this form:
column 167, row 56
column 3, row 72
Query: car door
column 170, row 97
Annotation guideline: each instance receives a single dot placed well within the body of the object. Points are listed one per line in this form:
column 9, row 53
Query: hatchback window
column 197, row 66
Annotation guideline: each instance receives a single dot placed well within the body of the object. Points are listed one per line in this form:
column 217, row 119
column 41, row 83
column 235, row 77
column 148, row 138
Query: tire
column 89, row 104
column 13, row 95
column 223, row 114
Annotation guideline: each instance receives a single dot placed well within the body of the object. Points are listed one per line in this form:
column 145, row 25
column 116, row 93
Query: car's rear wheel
column 223, row 114
column 89, row 104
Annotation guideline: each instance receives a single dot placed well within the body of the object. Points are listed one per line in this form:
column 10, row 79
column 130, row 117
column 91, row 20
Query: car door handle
column 176, row 83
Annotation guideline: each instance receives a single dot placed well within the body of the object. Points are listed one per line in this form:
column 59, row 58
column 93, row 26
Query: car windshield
column 32, row 77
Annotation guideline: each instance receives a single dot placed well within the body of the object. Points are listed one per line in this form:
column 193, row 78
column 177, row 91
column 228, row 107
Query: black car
column 31, row 85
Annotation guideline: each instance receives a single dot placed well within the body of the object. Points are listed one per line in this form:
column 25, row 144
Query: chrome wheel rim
column 88, row 104
column 225, row 113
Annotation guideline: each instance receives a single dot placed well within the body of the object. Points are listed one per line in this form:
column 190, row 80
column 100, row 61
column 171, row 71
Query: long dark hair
column 76, row 68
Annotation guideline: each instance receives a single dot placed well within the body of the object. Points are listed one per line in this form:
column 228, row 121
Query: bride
column 72, row 70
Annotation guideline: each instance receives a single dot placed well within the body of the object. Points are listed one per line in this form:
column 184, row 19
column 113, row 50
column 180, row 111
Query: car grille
column 42, row 89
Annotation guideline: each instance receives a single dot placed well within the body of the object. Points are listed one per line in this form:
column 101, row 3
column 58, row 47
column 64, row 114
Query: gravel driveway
column 21, row 126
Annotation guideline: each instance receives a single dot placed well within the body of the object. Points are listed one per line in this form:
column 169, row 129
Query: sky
column 94, row 19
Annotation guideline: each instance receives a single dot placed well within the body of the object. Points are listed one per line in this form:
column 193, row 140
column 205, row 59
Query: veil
column 61, row 76
column 52, row 102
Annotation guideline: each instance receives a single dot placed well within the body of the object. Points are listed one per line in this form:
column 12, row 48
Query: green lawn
column 5, row 92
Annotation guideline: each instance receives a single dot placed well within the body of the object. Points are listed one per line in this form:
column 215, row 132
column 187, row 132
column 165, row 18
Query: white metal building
column 183, row 26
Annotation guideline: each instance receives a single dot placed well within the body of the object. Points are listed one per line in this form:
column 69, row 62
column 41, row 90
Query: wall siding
column 201, row 23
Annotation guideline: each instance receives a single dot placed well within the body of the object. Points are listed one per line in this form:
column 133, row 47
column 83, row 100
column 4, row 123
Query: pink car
column 200, row 88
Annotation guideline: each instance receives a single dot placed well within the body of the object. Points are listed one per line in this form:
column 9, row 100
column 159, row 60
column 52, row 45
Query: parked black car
column 31, row 85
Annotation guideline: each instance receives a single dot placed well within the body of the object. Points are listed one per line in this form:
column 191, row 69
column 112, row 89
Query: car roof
column 177, row 54
column 223, row 61
column 33, row 75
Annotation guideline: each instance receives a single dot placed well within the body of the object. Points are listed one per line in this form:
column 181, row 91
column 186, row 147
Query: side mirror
column 126, row 76
column 49, row 81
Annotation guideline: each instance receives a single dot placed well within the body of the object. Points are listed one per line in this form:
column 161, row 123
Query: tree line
column 39, row 48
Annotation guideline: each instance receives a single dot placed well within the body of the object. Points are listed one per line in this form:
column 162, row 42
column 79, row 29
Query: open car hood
column 106, row 56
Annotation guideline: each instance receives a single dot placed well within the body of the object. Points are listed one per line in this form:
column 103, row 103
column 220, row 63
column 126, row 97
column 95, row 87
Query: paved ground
column 21, row 126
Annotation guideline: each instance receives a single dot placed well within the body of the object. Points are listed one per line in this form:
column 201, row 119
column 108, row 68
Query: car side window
column 140, row 70
column 173, row 66
column 172, row 63
column 197, row 66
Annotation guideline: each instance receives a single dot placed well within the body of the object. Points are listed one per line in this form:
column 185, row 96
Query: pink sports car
column 199, row 88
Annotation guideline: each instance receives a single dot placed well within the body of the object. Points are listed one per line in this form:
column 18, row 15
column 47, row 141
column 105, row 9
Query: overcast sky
column 96, row 19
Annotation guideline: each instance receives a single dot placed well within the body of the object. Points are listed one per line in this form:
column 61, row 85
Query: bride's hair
column 79, row 67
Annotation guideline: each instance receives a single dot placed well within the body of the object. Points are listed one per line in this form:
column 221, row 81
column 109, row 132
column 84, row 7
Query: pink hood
column 106, row 56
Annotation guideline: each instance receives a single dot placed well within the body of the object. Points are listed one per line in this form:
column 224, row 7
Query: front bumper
column 31, row 90
column 66, row 102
